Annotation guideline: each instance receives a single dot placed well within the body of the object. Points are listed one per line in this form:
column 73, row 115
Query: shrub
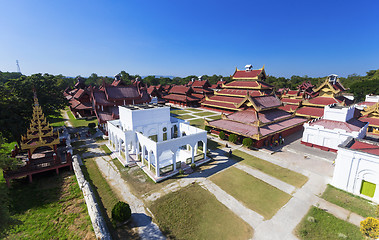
column 222, row 135
column 247, row 142
column 233, row 138
column 193, row 166
column 181, row 171
column 207, row 128
column 370, row 227
column 121, row 212
column 91, row 125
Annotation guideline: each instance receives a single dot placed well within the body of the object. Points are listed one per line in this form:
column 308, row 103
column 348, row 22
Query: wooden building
column 183, row 96
column 39, row 149
column 370, row 114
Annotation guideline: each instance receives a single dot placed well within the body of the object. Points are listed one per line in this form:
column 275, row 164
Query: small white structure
column 337, row 124
column 357, row 168
column 162, row 144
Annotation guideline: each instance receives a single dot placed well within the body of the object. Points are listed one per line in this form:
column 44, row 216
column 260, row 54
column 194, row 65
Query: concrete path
column 141, row 218
column 65, row 115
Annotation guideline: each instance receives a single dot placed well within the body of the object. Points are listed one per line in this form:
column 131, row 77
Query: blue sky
column 179, row 38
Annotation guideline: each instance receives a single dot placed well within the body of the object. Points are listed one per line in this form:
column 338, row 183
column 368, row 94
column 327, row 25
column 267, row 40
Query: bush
column 121, row 212
column 247, row 142
column 233, row 138
column 207, row 128
column 193, row 166
column 181, row 171
column 222, row 135
column 370, row 227
column 91, row 125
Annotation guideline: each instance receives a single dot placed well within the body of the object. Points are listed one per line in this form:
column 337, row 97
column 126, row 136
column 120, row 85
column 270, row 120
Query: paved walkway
column 65, row 116
column 141, row 216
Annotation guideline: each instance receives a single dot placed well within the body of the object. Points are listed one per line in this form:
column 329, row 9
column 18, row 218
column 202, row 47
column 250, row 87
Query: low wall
column 98, row 223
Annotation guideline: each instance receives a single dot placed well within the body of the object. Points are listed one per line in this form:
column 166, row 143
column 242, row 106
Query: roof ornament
column 192, row 79
column 333, row 78
column 200, row 78
column 248, row 67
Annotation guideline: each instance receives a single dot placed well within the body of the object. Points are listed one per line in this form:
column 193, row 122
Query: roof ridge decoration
column 371, row 109
column 326, row 82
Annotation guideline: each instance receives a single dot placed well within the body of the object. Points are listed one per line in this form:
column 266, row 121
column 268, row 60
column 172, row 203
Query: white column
column 143, row 154
column 192, row 154
column 196, row 146
column 126, row 153
column 205, row 149
column 119, row 146
column 149, row 159
column 174, row 161
column 156, row 165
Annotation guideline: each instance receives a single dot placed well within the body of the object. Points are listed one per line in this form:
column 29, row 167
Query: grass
column 283, row 174
column 56, row 120
column 80, row 122
column 184, row 117
column 194, row 213
column 52, row 207
column 318, row 224
column 178, row 112
column 349, row 201
column 106, row 149
column 213, row 145
column 201, row 114
column 257, row 195
column 199, row 123
column 214, row 117
column 105, row 197
column 194, row 110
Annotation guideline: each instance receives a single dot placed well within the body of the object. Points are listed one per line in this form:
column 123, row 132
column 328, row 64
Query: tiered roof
column 40, row 133
column 371, row 114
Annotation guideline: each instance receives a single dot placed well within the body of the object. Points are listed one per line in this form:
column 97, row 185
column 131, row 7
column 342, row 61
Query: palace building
column 254, row 110
column 370, row 114
column 80, row 99
column 292, row 99
column 357, row 168
column 329, row 92
column 146, row 134
column 39, row 149
column 337, row 124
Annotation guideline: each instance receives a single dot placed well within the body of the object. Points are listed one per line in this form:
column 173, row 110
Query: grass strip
column 199, row 123
column 194, row 213
column 201, row 114
column 214, row 117
column 349, row 201
column 184, row 117
column 178, row 112
column 318, row 224
column 283, row 174
column 80, row 122
column 257, row 195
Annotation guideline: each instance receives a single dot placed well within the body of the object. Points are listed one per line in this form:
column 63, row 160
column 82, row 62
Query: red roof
column 122, row 92
column 226, row 99
column 366, row 103
column 248, row 84
column 292, row 92
column 219, row 104
column 246, row 74
column 291, row 100
column 249, row 116
column 323, row 100
column 239, row 92
column 311, row 111
column 371, row 121
column 268, row 101
column 338, row 86
column 365, row 147
column 289, row 107
column 79, row 93
column 353, row 125
column 200, row 84
column 180, row 89
column 180, row 97
column 288, row 123
column 101, row 99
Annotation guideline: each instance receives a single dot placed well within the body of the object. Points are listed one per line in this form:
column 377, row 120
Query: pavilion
column 146, row 134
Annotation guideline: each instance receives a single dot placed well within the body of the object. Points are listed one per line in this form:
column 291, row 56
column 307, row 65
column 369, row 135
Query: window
column 154, row 138
column 164, row 136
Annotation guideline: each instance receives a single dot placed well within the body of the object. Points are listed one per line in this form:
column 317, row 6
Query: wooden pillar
column 57, row 171
column 30, row 178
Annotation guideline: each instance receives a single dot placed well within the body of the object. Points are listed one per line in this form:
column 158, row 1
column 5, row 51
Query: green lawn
column 56, row 120
column 349, row 201
column 80, row 122
column 318, row 224
column 184, row 117
column 178, row 112
column 201, row 114
column 214, row 117
column 194, row 110
column 199, row 123
column 257, row 195
column 213, row 145
column 52, row 207
column 283, row 174
column 194, row 213
column 106, row 198
column 106, row 149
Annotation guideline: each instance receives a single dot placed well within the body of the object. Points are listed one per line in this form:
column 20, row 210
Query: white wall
column 351, row 167
column 132, row 119
column 338, row 114
column 372, row 98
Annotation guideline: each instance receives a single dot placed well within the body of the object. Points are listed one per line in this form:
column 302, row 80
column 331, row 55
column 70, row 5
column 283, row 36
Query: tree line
column 16, row 92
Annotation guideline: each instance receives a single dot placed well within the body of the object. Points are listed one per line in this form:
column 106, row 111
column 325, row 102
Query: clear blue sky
column 179, row 38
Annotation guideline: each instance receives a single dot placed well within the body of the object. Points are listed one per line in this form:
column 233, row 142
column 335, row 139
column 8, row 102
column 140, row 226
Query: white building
column 337, row 124
column 357, row 168
column 159, row 143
